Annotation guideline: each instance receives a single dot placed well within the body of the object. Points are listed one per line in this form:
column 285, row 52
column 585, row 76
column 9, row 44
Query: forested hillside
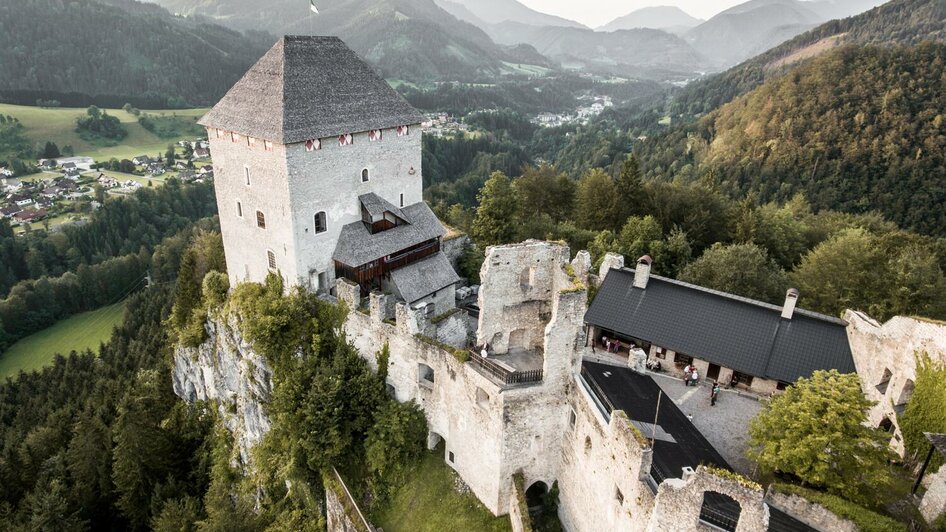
column 86, row 51
column 857, row 129
column 896, row 22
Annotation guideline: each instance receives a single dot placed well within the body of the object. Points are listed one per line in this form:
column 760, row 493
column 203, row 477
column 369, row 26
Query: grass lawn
column 528, row 70
column 122, row 177
column 39, row 176
column 58, row 125
column 53, row 222
column 79, row 332
column 429, row 501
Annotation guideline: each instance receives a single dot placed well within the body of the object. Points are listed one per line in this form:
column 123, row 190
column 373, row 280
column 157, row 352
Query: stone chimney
column 791, row 299
column 642, row 272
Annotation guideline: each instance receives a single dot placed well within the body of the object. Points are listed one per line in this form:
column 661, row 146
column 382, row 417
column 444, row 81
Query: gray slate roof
column 424, row 277
column 306, row 88
column 731, row 331
column 376, row 206
column 357, row 246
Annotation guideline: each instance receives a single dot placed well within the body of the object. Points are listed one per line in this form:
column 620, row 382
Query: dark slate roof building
column 424, row 277
column 357, row 245
column 748, row 336
column 308, row 88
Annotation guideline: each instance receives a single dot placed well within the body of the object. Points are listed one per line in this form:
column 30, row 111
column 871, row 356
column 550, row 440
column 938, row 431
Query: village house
column 21, row 200
column 729, row 339
column 201, row 153
column 30, row 216
column 5, row 172
column 9, row 210
column 141, row 160
column 81, row 163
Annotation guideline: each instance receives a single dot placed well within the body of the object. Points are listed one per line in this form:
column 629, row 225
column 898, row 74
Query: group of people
column 692, row 376
column 611, row 345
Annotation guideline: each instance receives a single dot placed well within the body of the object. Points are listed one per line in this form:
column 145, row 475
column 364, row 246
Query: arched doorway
column 720, row 511
column 535, row 495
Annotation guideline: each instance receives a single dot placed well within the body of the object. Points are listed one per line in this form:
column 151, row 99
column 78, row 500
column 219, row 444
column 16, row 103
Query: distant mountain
column 896, row 22
column 496, row 11
column 641, row 53
column 753, row 27
column 117, row 52
column 669, row 18
column 407, row 39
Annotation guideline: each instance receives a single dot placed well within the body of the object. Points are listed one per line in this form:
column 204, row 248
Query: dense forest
column 855, row 130
column 904, row 22
column 123, row 52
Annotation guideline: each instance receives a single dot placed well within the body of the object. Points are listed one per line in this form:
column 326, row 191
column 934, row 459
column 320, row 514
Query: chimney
column 791, row 298
column 642, row 272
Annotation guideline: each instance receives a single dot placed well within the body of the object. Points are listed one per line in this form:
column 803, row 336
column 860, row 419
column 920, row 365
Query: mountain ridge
column 655, row 17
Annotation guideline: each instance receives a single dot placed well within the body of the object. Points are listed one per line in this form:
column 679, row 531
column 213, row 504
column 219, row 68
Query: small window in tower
column 267, row 145
column 246, row 174
column 235, row 137
column 251, row 142
column 403, row 131
column 260, row 220
column 346, row 139
column 402, row 199
column 271, row 259
column 239, row 209
column 364, row 175
column 374, row 135
column 320, row 222
column 219, row 133
column 313, row 144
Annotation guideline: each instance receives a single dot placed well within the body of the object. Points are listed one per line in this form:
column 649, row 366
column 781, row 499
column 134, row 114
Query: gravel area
column 725, row 425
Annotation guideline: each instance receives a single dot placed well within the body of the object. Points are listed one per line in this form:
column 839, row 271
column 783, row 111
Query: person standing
column 695, row 377
column 686, row 374
column 714, row 394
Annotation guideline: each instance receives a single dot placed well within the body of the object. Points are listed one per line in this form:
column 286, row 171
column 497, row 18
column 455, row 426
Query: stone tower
column 301, row 144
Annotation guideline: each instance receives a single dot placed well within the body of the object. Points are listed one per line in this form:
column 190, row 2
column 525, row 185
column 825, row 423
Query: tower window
column 239, row 209
column 364, row 175
column 235, row 137
column 260, row 220
column 402, row 199
column 320, row 225
column 251, row 142
column 219, row 133
column 267, row 145
column 246, row 174
column 271, row 259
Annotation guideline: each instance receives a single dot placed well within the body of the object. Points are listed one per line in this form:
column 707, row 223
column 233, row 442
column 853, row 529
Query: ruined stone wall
column 517, row 284
column 679, row 501
column 933, row 504
column 453, row 246
column 228, row 370
column 603, row 463
column 891, row 347
column 341, row 510
column 463, row 407
column 812, row 514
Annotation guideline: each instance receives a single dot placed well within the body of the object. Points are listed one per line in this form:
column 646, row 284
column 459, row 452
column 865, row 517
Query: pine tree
column 495, row 218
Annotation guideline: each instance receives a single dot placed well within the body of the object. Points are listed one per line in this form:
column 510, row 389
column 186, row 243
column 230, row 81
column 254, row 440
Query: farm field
column 76, row 333
column 57, row 124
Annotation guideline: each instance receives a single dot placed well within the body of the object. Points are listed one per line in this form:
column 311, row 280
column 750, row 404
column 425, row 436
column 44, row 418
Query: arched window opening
column 271, row 259
column 535, row 495
column 364, row 175
column 260, row 220
column 720, row 511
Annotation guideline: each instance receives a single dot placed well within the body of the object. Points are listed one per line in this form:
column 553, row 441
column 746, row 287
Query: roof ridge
column 743, row 299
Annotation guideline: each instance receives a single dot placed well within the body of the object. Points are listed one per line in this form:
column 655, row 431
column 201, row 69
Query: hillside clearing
column 58, row 125
column 76, row 333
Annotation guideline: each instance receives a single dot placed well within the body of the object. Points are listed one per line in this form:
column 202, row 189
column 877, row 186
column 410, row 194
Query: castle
column 318, row 179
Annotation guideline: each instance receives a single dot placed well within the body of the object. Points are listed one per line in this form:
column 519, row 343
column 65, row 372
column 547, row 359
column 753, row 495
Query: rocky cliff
column 228, row 370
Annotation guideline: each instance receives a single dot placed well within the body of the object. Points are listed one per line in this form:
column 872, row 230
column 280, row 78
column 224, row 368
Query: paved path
column 725, row 425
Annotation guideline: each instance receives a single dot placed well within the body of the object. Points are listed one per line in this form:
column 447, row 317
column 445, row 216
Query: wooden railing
column 505, row 375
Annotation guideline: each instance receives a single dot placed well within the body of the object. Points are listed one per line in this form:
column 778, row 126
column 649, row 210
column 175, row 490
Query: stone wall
column 518, row 512
column 933, row 504
column 341, row 510
column 679, row 501
column 891, row 347
column 244, row 243
column 453, row 246
column 603, row 463
column 228, row 370
column 812, row 514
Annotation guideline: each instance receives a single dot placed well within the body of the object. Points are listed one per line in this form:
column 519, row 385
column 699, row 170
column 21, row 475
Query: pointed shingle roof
column 307, row 88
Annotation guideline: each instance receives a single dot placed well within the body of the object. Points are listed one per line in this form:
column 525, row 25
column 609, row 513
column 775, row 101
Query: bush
column 866, row 520
column 215, row 287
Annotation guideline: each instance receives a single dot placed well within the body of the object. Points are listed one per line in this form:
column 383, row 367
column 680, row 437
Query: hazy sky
column 597, row 12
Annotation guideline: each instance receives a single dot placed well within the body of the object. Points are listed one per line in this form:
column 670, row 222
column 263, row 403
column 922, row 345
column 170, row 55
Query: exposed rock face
column 227, row 369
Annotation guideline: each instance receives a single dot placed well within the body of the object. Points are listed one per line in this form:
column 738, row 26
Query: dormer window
column 364, row 175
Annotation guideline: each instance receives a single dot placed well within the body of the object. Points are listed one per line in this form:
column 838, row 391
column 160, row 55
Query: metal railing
column 502, row 374
column 721, row 520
